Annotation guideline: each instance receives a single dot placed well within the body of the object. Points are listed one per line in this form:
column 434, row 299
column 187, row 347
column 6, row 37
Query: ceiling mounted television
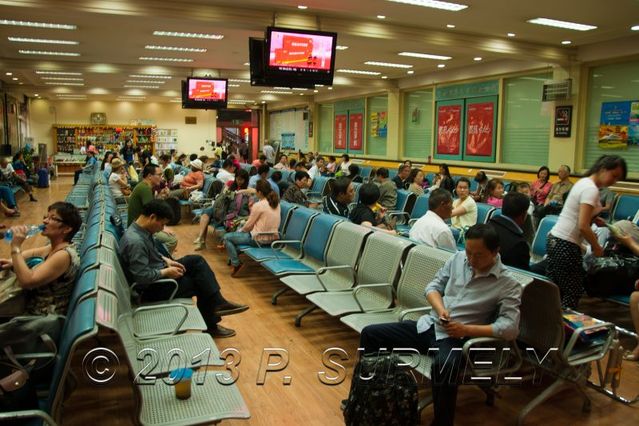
column 300, row 56
column 204, row 93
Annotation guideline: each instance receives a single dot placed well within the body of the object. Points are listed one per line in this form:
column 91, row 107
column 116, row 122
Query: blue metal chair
column 538, row 249
column 319, row 189
column 626, row 208
column 405, row 203
column 419, row 209
column 483, row 212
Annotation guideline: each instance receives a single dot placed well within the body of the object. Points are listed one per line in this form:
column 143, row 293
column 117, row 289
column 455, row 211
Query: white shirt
column 567, row 227
column 344, row 168
column 114, row 183
column 225, row 176
column 7, row 171
column 314, row 171
column 431, row 230
column 467, row 219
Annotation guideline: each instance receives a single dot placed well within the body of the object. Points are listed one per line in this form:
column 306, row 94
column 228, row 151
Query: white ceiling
column 113, row 35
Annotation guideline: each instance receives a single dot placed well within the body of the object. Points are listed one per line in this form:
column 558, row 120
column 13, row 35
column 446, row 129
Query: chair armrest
column 398, row 214
column 323, row 269
column 27, row 414
column 361, row 287
column 275, row 244
column 501, row 368
column 605, row 346
column 276, row 233
column 411, row 222
column 314, row 194
column 160, row 281
column 164, row 306
column 405, row 312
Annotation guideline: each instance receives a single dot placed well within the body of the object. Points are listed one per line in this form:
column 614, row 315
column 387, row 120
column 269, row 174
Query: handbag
column 12, row 297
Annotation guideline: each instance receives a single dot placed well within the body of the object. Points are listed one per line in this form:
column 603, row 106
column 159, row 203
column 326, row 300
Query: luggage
column 174, row 203
column 382, row 393
column 43, row 178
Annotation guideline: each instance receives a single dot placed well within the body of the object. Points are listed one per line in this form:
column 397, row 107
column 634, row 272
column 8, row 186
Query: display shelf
column 166, row 140
column 69, row 138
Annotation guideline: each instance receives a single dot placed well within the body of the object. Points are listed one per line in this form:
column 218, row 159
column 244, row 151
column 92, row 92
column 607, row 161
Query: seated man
column 144, row 264
column 431, row 229
column 473, row 295
column 294, row 192
column 353, row 170
column 401, row 176
column 317, row 169
column 367, row 212
column 342, row 194
column 262, row 173
column 227, row 172
column 387, row 189
column 557, row 196
column 514, row 249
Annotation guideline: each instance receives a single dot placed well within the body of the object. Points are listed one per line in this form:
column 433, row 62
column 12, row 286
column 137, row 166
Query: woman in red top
column 540, row 188
column 194, row 180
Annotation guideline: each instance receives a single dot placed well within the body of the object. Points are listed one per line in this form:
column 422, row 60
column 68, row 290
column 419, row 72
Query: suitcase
column 43, row 178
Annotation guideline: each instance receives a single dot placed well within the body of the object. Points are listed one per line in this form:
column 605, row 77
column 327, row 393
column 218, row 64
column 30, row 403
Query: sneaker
column 229, row 308
column 221, row 332
column 237, row 269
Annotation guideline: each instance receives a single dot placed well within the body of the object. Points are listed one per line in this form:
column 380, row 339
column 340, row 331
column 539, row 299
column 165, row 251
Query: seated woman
column 540, row 188
column 51, row 283
column 368, row 211
column 444, row 179
column 238, row 185
column 261, row 227
column 118, row 181
column 495, row 193
column 8, row 203
column 416, row 182
column 19, row 164
column 464, row 213
column 195, row 179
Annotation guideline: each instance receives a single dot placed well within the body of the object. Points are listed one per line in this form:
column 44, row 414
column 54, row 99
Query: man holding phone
column 472, row 295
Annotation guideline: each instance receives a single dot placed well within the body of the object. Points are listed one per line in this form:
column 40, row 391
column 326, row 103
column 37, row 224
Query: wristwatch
column 15, row 250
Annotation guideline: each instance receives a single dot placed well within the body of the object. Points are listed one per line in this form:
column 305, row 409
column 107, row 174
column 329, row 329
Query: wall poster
column 481, row 124
column 355, row 125
column 449, row 136
column 340, row 131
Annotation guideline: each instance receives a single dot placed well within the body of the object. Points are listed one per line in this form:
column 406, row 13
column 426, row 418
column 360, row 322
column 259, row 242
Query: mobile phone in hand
column 443, row 320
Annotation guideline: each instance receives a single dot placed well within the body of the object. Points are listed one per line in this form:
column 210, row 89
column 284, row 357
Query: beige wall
column 44, row 114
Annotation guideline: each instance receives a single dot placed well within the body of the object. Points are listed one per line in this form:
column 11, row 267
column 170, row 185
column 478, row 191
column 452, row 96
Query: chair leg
column 277, row 294
column 302, row 314
column 558, row 385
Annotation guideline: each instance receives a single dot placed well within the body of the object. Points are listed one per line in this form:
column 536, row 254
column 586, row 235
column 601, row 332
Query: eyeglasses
column 53, row 218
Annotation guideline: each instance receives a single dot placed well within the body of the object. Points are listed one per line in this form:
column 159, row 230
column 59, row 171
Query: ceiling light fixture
column 277, row 92
column 152, row 58
column 384, row 77
column 63, row 83
column 561, row 24
column 15, row 79
column 566, row 42
column 450, row 26
column 239, row 80
column 635, row 28
column 188, row 35
column 176, row 49
column 410, row 72
column 166, row 77
column 425, row 56
column 511, row 34
column 477, row 58
column 63, row 78
column 381, row 16
column 145, row 81
column 435, row 4
column 330, row 88
column 46, row 52
column 234, row 85
column 38, row 24
column 240, row 101
column 138, row 86
column 246, row 64
column 302, row 7
column 349, row 71
column 338, row 47
column 57, row 73
column 9, row 73
column 41, row 40
column 441, row 65
column 387, row 64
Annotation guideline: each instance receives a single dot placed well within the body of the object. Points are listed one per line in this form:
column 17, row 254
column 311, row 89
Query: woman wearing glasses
column 50, row 284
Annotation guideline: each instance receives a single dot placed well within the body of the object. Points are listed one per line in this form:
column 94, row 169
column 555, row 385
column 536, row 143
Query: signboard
column 340, row 131
column 613, row 125
column 563, row 121
column 355, row 127
column 469, row 90
column 448, row 129
column 479, row 129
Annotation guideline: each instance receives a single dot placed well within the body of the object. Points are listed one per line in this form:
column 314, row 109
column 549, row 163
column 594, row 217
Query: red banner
column 356, row 121
column 340, row 131
column 479, row 130
column 448, row 129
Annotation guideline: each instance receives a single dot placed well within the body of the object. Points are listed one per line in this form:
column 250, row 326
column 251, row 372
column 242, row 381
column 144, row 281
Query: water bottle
column 31, row 231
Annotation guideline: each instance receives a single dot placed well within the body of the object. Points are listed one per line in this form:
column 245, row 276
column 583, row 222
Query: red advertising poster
column 448, row 129
column 479, row 130
column 356, row 131
column 340, row 131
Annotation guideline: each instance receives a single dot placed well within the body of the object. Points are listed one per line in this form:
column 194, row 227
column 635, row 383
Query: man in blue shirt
column 472, row 295
column 262, row 173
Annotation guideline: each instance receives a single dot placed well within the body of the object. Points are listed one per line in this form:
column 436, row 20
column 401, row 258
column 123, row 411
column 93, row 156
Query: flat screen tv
column 204, row 93
column 296, row 58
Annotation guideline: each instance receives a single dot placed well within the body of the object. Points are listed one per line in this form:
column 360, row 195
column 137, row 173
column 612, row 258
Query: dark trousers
column 445, row 367
column 198, row 280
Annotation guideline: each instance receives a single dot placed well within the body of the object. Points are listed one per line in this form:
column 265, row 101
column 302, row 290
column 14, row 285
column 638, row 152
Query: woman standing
column 261, row 227
column 564, row 246
column 540, row 188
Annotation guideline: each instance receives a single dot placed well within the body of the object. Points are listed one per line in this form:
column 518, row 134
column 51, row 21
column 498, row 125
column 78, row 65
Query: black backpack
column 389, row 397
column 174, row 203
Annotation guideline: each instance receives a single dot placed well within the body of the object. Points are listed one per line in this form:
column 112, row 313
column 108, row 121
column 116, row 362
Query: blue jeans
column 6, row 194
column 234, row 239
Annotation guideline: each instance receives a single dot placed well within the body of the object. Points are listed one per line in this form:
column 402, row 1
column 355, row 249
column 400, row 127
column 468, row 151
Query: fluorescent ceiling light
column 435, row 4
column 14, row 78
column 176, row 49
column 61, row 83
column 167, row 77
column 441, row 66
column 425, row 56
column 137, row 86
column 302, row 7
column 387, row 64
column 381, row 17
column 561, row 24
column 58, row 73
column 566, row 42
column 9, row 73
column 239, row 80
column 41, row 40
column 240, row 101
column 330, row 88
column 450, row 26
column 277, row 92
column 176, row 100
column 63, row 78
column 477, row 58
column 635, row 28
column 38, row 24
column 146, row 81
column 338, row 47
column 188, row 35
column 72, row 96
column 384, row 77
column 511, row 34
column 246, row 64
column 347, row 71
column 410, row 72
column 131, row 97
column 234, row 85
column 151, row 58
column 290, row 88
column 48, row 53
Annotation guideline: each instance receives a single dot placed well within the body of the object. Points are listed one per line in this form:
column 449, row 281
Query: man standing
column 472, row 295
column 269, row 152
column 514, row 249
column 144, row 264
column 402, row 175
column 342, row 194
column 431, row 229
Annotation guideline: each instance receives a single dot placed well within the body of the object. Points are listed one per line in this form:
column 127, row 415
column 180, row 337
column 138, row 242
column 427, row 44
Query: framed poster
column 449, row 121
column 355, row 122
column 480, row 130
column 340, row 131
column 563, row 121
column 613, row 125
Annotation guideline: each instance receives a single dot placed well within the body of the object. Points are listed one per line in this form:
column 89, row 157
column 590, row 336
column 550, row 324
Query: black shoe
column 342, row 406
column 229, row 308
column 221, row 332
column 236, row 269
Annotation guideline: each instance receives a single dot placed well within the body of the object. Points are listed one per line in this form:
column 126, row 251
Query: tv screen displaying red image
column 205, row 90
column 301, row 51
